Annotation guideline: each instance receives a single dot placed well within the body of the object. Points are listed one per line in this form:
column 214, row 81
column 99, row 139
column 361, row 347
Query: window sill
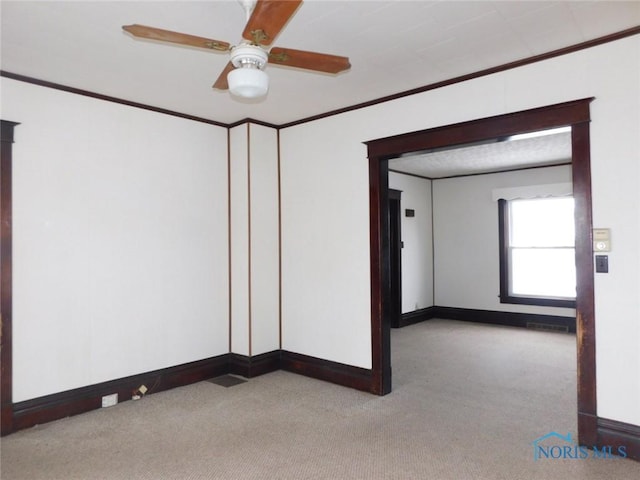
column 544, row 302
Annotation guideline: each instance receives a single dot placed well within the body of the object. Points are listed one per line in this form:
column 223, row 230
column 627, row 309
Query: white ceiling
column 393, row 46
column 496, row 156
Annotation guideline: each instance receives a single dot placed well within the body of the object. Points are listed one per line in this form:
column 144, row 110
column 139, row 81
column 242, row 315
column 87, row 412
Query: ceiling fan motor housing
column 249, row 56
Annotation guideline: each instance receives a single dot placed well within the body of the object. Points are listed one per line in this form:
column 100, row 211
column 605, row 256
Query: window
column 537, row 251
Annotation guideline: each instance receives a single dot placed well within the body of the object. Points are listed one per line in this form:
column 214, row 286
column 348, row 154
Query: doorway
column 574, row 114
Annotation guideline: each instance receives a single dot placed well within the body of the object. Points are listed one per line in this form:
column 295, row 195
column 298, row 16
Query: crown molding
column 433, row 86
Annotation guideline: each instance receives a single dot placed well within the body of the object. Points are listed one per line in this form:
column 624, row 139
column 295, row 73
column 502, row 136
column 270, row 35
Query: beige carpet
column 468, row 402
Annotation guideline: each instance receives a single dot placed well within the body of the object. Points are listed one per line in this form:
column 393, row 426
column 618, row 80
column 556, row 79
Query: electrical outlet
column 110, row 400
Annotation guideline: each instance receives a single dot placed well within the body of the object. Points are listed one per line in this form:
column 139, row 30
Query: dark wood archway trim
column 585, row 303
column 574, row 113
column 568, row 113
column 6, row 308
column 380, row 276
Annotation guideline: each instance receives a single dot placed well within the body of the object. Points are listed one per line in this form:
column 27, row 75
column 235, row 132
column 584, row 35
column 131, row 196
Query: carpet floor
column 468, row 402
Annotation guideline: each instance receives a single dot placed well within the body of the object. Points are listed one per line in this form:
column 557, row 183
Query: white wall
column 417, row 252
column 615, row 172
column 325, row 206
column 239, row 213
column 467, row 262
column 325, row 244
column 120, row 240
column 265, row 234
column 255, row 264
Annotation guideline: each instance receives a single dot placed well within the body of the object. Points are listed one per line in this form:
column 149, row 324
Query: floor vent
column 547, row 327
column 227, row 380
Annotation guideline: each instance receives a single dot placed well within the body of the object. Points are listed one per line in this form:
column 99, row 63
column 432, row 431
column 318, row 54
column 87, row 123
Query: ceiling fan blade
column 319, row 62
column 152, row 33
column 267, row 19
column 221, row 82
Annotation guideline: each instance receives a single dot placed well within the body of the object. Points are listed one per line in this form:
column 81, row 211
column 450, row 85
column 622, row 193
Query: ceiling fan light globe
column 248, row 82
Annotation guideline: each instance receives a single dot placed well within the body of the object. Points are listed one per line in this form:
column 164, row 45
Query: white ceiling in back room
column 392, row 46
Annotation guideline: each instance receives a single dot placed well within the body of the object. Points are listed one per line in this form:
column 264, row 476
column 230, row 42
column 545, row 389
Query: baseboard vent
column 546, row 327
column 228, row 380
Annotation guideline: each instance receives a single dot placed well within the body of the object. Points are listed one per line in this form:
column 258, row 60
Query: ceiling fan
column 244, row 75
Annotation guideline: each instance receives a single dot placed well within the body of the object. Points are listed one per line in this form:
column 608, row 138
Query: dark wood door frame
column 575, row 114
column 395, row 230
column 6, row 309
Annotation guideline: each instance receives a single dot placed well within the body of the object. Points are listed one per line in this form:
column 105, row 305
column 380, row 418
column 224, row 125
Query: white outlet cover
column 110, row 400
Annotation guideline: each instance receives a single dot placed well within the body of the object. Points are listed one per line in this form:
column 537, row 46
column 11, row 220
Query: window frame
column 505, row 295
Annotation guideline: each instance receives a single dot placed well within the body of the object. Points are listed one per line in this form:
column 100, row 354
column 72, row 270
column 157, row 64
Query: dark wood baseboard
column 84, row 399
column 334, row 372
column 254, row 366
column 505, row 318
column 619, row 434
column 72, row 402
column 416, row 316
